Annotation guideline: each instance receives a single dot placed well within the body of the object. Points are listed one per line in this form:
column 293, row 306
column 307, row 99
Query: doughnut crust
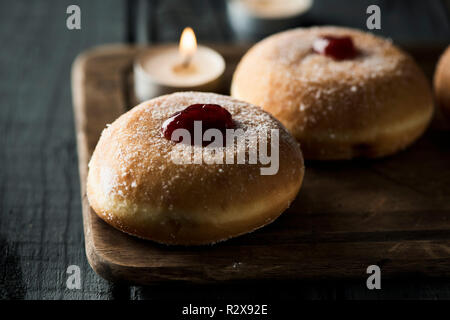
column 369, row 106
column 442, row 83
column 134, row 185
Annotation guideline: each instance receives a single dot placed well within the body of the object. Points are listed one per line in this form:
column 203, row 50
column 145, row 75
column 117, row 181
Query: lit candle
column 169, row 68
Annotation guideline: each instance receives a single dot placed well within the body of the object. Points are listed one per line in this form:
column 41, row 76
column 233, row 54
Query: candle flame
column 188, row 45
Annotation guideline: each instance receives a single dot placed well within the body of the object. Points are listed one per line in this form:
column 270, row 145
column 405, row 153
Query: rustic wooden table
column 41, row 230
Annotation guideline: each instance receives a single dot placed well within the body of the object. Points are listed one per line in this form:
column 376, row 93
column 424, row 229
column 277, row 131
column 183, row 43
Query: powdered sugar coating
column 291, row 54
column 376, row 56
column 140, row 147
column 134, row 185
column 320, row 99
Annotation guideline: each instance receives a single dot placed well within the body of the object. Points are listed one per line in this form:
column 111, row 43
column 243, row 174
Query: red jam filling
column 338, row 48
column 212, row 116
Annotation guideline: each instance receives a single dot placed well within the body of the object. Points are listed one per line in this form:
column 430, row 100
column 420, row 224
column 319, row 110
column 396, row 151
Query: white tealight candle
column 257, row 18
column 272, row 9
column 168, row 68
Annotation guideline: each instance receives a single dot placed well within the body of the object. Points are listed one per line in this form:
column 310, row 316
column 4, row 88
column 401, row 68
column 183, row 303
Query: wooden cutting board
column 393, row 212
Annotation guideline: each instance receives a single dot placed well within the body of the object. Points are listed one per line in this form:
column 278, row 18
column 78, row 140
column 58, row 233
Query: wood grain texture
column 40, row 221
column 40, row 224
column 392, row 212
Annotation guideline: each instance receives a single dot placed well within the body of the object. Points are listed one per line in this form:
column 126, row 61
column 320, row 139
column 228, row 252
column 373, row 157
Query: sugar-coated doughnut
column 134, row 185
column 372, row 104
column 442, row 82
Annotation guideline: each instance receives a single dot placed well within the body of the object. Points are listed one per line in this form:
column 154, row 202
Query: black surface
column 407, row 22
column 40, row 211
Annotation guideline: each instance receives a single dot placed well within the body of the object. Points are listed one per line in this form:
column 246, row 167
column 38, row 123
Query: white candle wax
column 272, row 9
column 254, row 19
column 161, row 70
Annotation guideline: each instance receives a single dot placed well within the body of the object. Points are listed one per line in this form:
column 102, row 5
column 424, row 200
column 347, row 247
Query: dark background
column 41, row 230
